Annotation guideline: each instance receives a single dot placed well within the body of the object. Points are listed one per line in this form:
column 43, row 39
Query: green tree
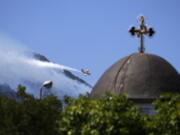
column 8, row 116
column 166, row 121
column 28, row 115
column 110, row 115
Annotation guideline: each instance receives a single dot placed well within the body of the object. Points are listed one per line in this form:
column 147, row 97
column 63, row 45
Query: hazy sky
column 91, row 33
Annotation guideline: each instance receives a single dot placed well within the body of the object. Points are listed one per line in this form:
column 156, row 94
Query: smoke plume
column 18, row 66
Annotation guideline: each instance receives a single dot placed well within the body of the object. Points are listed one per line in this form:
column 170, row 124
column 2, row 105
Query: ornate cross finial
column 143, row 30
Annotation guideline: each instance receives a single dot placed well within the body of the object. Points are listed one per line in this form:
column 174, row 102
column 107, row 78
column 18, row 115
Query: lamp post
column 47, row 84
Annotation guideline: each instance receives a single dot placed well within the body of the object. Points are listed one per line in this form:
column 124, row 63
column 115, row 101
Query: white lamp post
column 47, row 84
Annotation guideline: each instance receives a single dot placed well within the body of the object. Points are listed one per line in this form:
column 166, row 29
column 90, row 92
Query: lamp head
column 48, row 84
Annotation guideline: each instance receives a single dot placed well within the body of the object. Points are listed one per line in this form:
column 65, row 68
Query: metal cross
column 143, row 30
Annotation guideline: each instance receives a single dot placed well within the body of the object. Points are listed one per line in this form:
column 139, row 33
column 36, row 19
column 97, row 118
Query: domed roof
column 140, row 76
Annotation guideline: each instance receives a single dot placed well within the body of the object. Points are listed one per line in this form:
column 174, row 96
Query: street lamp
column 47, row 84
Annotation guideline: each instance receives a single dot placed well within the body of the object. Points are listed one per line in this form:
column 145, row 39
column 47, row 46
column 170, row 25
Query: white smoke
column 17, row 66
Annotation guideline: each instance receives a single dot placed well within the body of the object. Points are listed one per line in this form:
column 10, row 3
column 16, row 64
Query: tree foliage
column 29, row 116
column 112, row 115
column 166, row 121
column 109, row 115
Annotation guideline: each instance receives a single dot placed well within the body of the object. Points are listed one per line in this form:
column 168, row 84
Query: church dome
column 141, row 76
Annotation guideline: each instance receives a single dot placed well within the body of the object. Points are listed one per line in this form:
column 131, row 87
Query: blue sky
column 91, row 33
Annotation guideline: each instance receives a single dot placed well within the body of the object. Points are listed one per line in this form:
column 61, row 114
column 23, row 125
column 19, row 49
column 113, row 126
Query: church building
column 142, row 76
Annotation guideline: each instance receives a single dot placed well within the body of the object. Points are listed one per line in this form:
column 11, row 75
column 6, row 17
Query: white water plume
column 17, row 66
column 51, row 65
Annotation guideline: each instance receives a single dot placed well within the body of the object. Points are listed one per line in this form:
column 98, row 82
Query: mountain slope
column 5, row 90
column 19, row 68
column 66, row 72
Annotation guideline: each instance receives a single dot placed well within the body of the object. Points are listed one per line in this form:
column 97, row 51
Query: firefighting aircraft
column 85, row 71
